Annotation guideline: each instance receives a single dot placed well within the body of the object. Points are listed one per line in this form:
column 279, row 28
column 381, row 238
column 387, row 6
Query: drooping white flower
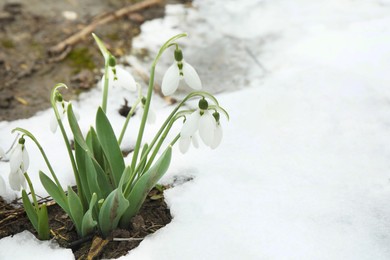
column 19, row 162
column 202, row 121
column 177, row 71
column 207, row 128
column 218, row 133
column 185, row 142
column 122, row 78
column 62, row 107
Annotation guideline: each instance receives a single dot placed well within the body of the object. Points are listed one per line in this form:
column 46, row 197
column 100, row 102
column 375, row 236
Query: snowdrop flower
column 218, row 133
column 62, row 107
column 206, row 123
column 19, row 162
column 177, row 71
column 185, row 142
column 119, row 77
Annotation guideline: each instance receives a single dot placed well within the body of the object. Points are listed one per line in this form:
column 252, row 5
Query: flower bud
column 216, row 116
column 111, row 61
column 203, row 104
column 21, row 140
column 178, row 55
column 58, row 97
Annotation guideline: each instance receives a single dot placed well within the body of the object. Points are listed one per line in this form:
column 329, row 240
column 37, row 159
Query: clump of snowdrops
column 109, row 192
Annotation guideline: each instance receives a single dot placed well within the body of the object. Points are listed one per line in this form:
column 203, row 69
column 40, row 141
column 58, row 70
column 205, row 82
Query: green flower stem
column 128, row 120
column 148, row 98
column 160, row 142
column 105, row 87
column 66, row 140
column 32, row 191
column 174, row 140
column 31, row 136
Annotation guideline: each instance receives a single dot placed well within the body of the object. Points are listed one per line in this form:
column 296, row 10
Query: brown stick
column 75, row 38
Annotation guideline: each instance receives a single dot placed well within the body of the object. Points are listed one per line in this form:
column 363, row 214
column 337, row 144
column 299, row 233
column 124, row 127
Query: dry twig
column 75, row 38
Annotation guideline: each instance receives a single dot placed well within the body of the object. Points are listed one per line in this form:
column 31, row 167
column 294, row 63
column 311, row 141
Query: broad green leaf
column 81, row 157
column 57, row 193
column 112, row 210
column 92, row 178
column 88, row 223
column 30, row 210
column 144, row 184
column 96, row 148
column 76, row 209
column 109, row 145
column 103, row 180
column 43, row 223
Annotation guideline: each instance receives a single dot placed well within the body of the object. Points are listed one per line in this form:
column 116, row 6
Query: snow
column 303, row 168
column 32, row 248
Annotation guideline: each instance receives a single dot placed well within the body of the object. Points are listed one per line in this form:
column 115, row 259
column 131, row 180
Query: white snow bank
column 25, row 246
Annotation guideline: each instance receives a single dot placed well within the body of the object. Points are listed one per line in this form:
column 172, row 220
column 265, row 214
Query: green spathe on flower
column 177, row 71
column 19, row 162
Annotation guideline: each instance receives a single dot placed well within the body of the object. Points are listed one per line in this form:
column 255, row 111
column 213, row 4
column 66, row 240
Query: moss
column 81, row 58
column 7, row 43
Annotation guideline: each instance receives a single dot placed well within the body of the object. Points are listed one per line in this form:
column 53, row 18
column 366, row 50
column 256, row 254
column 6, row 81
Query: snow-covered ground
column 303, row 171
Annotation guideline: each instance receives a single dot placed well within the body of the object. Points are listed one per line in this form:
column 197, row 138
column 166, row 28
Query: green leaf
column 144, row 184
column 81, row 157
column 102, row 47
column 109, row 145
column 57, row 193
column 88, row 223
column 76, row 209
column 43, row 223
column 30, row 210
column 74, row 126
column 96, row 148
column 112, row 210
column 103, row 180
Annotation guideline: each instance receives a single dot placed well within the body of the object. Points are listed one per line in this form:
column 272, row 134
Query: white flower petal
column 218, row 133
column 53, row 124
column 195, row 142
column 206, row 128
column 170, row 80
column 26, row 159
column 2, row 153
column 190, row 125
column 16, row 180
column 184, row 144
column 15, row 159
column 191, row 77
column 151, row 116
column 125, row 79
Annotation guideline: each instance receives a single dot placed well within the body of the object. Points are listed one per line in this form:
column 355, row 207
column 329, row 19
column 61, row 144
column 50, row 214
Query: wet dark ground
column 29, row 29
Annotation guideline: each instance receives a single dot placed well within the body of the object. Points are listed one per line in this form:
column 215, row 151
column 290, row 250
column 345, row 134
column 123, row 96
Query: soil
column 30, row 28
column 153, row 215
